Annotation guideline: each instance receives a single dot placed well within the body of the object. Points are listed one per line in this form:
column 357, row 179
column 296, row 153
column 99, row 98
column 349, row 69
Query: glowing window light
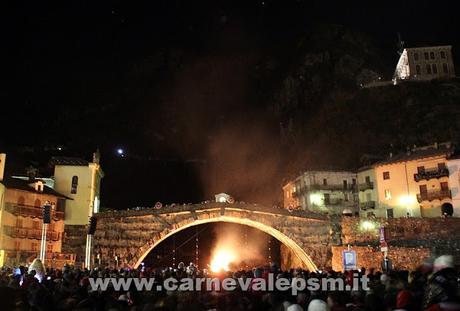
column 406, row 200
column 367, row 225
column 316, row 199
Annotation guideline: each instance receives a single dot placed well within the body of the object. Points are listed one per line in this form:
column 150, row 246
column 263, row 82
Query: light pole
column 89, row 241
column 46, row 221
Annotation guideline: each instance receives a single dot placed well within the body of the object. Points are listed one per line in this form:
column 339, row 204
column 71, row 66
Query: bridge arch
column 280, row 236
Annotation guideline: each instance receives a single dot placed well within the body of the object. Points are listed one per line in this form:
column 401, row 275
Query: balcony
column 367, row 205
column 434, row 195
column 348, row 188
column 29, row 233
column 431, row 174
column 31, row 211
column 366, row 186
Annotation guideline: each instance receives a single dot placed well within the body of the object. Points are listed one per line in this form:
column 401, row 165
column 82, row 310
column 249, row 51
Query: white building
column 425, row 63
column 323, row 191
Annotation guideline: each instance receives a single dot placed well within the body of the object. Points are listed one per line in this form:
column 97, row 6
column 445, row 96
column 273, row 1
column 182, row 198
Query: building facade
column 21, row 221
column 331, row 192
column 425, row 63
column 79, row 180
column 413, row 184
column 453, row 165
column 368, row 195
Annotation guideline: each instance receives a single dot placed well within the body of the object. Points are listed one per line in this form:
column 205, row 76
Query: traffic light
column 47, row 214
column 92, row 225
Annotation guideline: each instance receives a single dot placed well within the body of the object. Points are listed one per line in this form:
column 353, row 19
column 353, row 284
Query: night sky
column 171, row 83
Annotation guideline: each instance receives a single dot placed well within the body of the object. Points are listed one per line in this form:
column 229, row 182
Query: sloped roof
column 24, row 185
column 68, row 161
column 417, row 154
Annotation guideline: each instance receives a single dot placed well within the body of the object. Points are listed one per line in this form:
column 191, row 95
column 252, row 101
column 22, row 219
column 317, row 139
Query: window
column 432, row 55
column 18, row 223
column 387, row 194
column 416, row 56
column 353, row 181
column 444, row 186
column 441, row 166
column 435, row 69
column 417, row 69
column 386, row 175
column 423, row 190
column 37, row 203
column 34, row 246
column 390, row 213
column 368, row 197
column 426, row 55
column 444, row 68
column 73, row 189
column 345, row 197
column 443, row 54
column 420, row 169
column 345, row 184
column 36, row 224
column 324, row 181
column 368, row 179
column 428, row 69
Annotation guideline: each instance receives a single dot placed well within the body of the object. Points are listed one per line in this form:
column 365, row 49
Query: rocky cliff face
column 327, row 119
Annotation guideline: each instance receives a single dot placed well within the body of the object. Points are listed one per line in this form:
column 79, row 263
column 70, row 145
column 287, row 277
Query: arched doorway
column 284, row 239
column 447, row 209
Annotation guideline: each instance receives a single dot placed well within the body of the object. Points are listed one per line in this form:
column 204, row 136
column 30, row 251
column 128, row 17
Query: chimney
column 2, row 165
column 97, row 156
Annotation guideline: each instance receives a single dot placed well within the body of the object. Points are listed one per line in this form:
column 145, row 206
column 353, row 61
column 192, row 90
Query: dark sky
column 171, row 83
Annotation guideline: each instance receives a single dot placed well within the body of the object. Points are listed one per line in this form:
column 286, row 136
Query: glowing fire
column 221, row 260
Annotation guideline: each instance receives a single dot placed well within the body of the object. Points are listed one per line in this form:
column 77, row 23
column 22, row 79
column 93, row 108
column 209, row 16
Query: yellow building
column 80, row 180
column 21, row 219
column 412, row 184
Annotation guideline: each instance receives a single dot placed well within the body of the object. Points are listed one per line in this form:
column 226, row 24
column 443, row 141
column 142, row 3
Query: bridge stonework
column 130, row 235
column 307, row 240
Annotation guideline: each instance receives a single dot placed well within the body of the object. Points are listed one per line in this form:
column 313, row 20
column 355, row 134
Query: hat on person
column 317, row 305
column 294, row 307
column 442, row 262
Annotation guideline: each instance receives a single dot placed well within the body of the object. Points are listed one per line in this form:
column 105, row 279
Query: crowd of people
column 433, row 286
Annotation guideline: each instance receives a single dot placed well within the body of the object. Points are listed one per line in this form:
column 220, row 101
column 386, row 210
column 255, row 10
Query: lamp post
column 89, row 241
column 46, row 221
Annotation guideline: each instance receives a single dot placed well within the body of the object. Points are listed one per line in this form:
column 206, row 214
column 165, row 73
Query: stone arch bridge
column 305, row 237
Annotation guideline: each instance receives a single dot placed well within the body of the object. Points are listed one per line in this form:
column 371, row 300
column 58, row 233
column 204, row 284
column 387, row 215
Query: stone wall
column 438, row 235
column 403, row 258
column 400, row 229
column 74, row 241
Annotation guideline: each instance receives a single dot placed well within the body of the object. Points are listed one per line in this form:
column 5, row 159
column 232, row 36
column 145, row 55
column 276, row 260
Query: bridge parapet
column 169, row 209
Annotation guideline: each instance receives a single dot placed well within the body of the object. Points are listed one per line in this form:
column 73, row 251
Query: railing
column 31, row 211
column 430, row 174
column 29, row 233
column 366, row 186
column 367, row 205
column 340, row 187
column 434, row 195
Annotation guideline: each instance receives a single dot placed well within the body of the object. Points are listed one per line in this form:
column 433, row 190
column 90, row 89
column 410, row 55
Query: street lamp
column 46, row 221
